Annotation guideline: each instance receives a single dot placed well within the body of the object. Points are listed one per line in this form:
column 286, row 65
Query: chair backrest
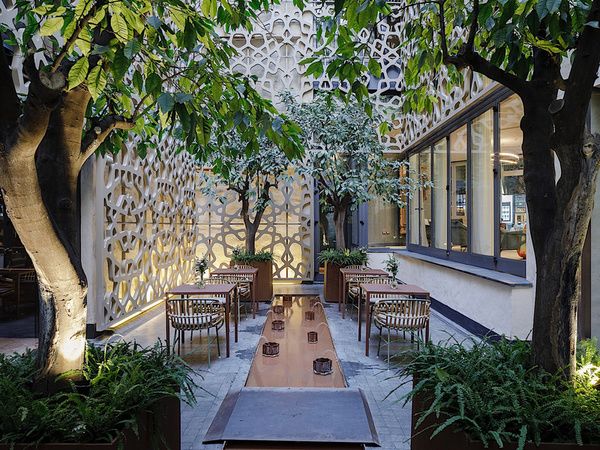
column 233, row 277
column 355, row 266
column 381, row 279
column 244, row 266
column 402, row 313
column 194, row 313
column 217, row 279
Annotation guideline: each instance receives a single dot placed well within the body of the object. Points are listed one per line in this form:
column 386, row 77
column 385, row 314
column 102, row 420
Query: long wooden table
column 251, row 272
column 389, row 290
column 220, row 291
column 345, row 274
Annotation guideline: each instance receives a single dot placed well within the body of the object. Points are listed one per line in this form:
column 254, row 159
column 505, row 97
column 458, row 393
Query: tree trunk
column 63, row 291
column 339, row 220
column 251, row 238
column 39, row 168
column 558, row 280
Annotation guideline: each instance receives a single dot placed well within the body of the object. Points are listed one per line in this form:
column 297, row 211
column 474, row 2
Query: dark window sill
column 488, row 274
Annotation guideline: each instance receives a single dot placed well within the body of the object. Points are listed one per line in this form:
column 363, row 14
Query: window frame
column 495, row 262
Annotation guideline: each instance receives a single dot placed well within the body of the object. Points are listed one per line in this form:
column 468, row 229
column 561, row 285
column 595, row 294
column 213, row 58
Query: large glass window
column 414, row 205
column 482, row 164
column 387, row 222
column 513, row 210
column 475, row 212
column 458, row 190
column 440, row 194
column 425, row 198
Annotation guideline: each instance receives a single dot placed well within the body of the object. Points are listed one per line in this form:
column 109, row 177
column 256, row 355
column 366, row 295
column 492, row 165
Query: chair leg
column 208, row 345
column 218, row 343
column 179, row 333
column 379, row 341
column 388, row 347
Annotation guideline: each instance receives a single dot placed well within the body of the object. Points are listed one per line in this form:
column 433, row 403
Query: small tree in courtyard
column 251, row 175
column 548, row 53
column 346, row 158
column 98, row 72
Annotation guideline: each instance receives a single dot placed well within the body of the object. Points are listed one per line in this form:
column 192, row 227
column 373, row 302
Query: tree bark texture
column 40, row 160
column 339, row 220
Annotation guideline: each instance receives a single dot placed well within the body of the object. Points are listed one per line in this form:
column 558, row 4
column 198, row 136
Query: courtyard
column 294, row 224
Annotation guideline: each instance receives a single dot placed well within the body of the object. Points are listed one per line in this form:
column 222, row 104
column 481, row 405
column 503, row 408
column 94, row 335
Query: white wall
column 499, row 307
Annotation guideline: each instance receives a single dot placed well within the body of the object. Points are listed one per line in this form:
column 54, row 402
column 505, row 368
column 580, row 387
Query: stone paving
column 368, row 373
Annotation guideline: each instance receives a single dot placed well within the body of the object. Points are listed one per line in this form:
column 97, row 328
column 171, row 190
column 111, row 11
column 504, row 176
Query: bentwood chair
column 402, row 314
column 244, row 287
column 196, row 314
column 354, row 291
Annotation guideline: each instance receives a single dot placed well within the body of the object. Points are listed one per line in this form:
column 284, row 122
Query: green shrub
column 117, row 383
column 490, row 391
column 244, row 257
column 343, row 258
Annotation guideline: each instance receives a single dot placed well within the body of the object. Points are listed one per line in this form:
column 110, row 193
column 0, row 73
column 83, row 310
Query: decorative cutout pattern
column 157, row 221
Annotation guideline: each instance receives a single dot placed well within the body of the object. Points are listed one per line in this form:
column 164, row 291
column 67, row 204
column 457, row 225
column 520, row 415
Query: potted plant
column 391, row 265
column 200, row 268
column 125, row 397
column 263, row 261
column 334, row 260
column 488, row 395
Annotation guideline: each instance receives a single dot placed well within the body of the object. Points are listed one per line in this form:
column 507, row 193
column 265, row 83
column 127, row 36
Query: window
column 440, row 194
column 459, row 221
column 425, row 198
column 482, row 162
column 475, row 212
column 413, row 203
column 513, row 211
column 387, row 222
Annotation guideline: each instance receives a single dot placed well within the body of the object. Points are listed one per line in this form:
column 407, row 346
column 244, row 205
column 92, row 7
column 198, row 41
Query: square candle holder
column 270, row 349
column 309, row 315
column 313, row 337
column 278, row 325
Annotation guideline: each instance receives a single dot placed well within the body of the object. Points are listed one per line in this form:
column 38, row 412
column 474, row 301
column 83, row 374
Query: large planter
column 454, row 439
column 159, row 429
column 331, row 286
column 264, row 279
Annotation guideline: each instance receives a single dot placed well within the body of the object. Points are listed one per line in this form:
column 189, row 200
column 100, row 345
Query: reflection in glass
column 482, row 164
column 440, row 194
column 513, row 210
column 387, row 222
column 425, row 197
column 414, row 201
column 458, row 189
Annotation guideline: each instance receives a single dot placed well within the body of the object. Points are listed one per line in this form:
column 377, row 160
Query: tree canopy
column 152, row 67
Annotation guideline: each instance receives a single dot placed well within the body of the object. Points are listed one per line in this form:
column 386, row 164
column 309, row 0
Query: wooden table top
column 192, row 289
column 402, row 289
column 367, row 271
column 232, row 271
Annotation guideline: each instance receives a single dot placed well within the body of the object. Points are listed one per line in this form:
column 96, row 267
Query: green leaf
column 153, row 84
column 166, row 102
column 96, row 81
column 132, row 48
column 120, row 65
column 51, row 26
column 119, row 27
column 374, row 68
column 78, row 72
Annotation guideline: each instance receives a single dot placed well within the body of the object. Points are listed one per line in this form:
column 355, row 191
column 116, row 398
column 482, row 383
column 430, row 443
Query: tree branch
column 474, row 26
column 45, row 92
column 100, row 130
column 465, row 58
column 584, row 72
column 11, row 110
column 78, row 29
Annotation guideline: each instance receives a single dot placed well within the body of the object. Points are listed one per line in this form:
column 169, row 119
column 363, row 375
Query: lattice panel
column 157, row 221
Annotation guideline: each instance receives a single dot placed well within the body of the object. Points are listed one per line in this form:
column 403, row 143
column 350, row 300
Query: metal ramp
column 331, row 418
